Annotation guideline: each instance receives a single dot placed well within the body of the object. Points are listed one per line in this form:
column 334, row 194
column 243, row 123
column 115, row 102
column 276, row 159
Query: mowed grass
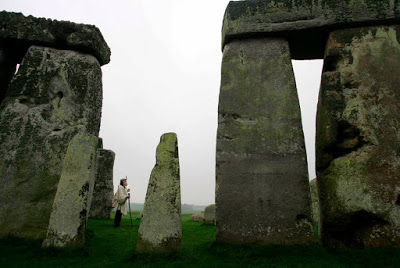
column 109, row 247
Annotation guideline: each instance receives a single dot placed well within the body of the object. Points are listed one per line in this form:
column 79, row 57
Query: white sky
column 164, row 76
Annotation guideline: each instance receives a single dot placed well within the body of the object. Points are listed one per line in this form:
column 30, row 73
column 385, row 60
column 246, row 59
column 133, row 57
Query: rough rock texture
column 262, row 188
column 209, row 214
column 20, row 32
column 69, row 214
column 199, row 217
column 305, row 23
column 358, row 132
column 140, row 216
column 161, row 228
column 54, row 95
column 103, row 192
column 314, row 202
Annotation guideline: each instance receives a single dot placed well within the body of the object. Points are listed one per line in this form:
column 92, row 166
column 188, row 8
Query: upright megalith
column 209, row 214
column 358, row 139
column 54, row 95
column 103, row 192
column 262, row 188
column 71, row 205
column 161, row 228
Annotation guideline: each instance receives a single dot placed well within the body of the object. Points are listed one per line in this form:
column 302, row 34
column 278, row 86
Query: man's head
column 124, row 182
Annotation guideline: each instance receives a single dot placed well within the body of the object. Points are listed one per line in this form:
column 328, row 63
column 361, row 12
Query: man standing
column 121, row 197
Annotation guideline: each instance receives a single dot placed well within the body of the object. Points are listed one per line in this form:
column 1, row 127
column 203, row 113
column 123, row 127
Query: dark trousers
column 117, row 219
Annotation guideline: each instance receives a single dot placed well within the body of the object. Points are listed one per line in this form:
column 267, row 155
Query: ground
column 107, row 247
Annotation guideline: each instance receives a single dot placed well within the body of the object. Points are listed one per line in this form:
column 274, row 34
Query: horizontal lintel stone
column 306, row 24
column 21, row 32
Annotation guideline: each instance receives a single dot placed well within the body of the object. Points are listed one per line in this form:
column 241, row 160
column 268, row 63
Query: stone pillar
column 71, row 205
column 209, row 214
column 54, row 95
column 103, row 192
column 358, row 139
column 262, row 188
column 161, row 227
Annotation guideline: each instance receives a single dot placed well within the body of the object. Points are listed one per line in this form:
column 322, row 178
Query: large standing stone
column 161, row 228
column 69, row 214
column 314, row 202
column 209, row 214
column 103, row 192
column 358, row 139
column 262, row 188
column 54, row 95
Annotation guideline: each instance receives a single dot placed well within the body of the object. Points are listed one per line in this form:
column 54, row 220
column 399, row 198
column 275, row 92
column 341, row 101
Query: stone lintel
column 305, row 23
column 21, row 32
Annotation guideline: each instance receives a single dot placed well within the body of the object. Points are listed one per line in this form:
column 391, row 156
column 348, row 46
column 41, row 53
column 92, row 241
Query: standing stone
column 262, row 188
column 358, row 139
column 54, row 95
column 314, row 202
column 69, row 214
column 209, row 214
column 103, row 192
column 161, row 227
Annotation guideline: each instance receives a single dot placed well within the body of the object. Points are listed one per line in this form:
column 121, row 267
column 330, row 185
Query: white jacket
column 122, row 197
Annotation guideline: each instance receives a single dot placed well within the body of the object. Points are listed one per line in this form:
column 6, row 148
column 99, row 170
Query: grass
column 109, row 247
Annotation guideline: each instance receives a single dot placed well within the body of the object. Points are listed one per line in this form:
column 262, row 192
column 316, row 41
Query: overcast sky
column 164, row 76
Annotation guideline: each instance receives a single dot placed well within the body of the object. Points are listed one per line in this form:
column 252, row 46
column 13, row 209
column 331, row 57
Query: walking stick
column 130, row 214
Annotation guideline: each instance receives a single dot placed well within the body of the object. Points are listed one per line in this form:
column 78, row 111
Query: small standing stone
column 69, row 215
column 161, row 228
column 209, row 214
column 103, row 192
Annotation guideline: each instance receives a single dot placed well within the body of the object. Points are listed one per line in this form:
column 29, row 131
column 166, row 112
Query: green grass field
column 109, row 247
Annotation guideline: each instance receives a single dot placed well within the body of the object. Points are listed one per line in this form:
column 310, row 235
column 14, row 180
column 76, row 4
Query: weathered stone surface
column 358, row 132
column 209, row 214
column 21, row 32
column 54, row 95
column 161, row 228
column 140, row 216
column 262, row 188
column 314, row 202
column 71, row 205
column 306, row 24
column 199, row 217
column 103, row 192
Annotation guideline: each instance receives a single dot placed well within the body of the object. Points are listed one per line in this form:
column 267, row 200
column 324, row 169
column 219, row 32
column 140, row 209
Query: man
column 121, row 197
